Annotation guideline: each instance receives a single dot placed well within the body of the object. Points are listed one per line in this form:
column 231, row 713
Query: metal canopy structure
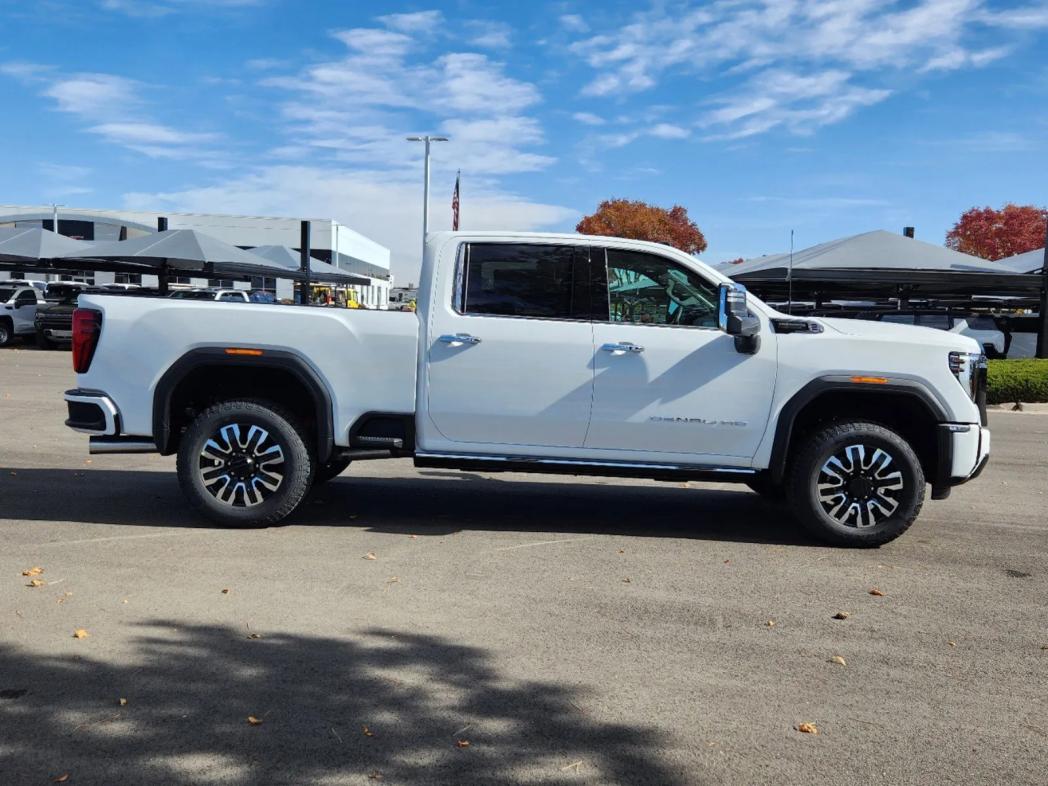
column 182, row 251
column 289, row 259
column 22, row 245
column 1030, row 262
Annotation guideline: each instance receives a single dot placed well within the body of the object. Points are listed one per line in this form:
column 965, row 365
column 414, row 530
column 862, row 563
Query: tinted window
column 5, row 295
column 25, row 298
column 937, row 321
column 644, row 289
column 514, row 279
column 900, row 319
column 231, row 296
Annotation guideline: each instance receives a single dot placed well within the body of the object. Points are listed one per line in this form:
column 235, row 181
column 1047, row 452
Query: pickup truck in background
column 18, row 304
column 540, row 353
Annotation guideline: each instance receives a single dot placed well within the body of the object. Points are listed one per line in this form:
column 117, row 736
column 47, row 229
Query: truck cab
column 544, row 353
column 18, row 304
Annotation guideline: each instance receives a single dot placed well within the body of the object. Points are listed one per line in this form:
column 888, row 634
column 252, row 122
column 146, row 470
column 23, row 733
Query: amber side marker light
column 868, row 380
column 239, row 351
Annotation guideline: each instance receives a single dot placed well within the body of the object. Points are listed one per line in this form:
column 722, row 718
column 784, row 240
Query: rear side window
column 937, row 321
column 521, row 280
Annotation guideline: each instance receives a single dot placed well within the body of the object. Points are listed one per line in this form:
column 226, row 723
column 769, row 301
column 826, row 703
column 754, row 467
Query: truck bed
column 366, row 358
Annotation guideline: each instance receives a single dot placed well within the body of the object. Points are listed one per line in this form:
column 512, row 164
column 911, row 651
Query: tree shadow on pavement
column 427, row 503
column 378, row 706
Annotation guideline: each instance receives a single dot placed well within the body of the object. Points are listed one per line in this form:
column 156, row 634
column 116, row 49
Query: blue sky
column 829, row 117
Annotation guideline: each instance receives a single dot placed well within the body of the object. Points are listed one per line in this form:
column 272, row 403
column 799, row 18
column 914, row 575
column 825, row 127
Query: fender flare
column 216, row 356
column 822, row 385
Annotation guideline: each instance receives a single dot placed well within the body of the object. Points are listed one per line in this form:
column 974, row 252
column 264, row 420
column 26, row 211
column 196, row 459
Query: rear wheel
column 245, row 463
column 856, row 484
column 43, row 341
column 7, row 333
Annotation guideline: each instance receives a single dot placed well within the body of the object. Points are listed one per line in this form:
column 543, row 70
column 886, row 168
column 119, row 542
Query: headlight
column 970, row 370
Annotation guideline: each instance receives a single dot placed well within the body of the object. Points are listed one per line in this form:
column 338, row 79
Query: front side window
column 644, row 289
column 521, row 280
column 25, row 298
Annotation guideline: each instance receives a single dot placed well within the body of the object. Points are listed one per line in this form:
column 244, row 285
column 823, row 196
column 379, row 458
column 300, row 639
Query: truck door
column 510, row 352
column 25, row 311
column 667, row 380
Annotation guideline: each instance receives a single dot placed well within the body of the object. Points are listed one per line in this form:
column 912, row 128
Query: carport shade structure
column 879, row 264
column 288, row 258
column 183, row 250
column 1030, row 262
column 33, row 246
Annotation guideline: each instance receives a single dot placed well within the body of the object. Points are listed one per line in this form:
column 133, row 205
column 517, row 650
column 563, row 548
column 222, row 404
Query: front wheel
column 7, row 333
column 245, row 463
column 43, row 342
column 856, row 484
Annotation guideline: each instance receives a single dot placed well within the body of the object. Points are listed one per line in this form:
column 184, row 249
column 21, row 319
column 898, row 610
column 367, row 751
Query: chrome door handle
column 459, row 339
column 622, row 346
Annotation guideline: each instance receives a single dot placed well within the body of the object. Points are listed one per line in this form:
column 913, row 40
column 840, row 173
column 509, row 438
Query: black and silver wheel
column 330, row 470
column 7, row 333
column 245, row 463
column 856, row 484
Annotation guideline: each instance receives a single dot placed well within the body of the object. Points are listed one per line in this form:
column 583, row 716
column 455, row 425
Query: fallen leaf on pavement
column 123, row 702
column 254, row 635
column 838, row 660
column 36, row 583
column 32, row 571
column 954, row 644
column 370, row 555
column 368, row 732
column 80, row 633
column 627, row 580
column 225, row 591
column 374, row 775
column 842, row 615
column 60, row 778
column 254, row 721
column 65, row 597
column 461, row 743
column 414, row 537
column 727, row 562
column 877, row 593
column 622, row 551
column 807, row 728
column 770, row 623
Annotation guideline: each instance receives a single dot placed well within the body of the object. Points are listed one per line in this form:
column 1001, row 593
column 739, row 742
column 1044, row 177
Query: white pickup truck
column 539, row 353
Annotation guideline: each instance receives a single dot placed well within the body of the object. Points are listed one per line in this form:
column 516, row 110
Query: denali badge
column 698, row 421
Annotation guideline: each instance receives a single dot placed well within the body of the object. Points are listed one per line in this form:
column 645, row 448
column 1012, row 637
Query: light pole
column 425, row 183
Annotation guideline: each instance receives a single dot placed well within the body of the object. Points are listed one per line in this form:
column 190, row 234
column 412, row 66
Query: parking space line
column 544, row 543
column 83, row 541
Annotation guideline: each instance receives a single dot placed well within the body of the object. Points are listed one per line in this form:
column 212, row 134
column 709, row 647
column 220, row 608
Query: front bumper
column 92, row 412
column 55, row 334
column 964, row 450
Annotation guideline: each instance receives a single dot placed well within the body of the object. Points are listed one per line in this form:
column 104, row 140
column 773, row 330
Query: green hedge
column 1024, row 380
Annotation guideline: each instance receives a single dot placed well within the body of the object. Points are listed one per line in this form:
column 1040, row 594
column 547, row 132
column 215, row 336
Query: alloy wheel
column 241, row 465
column 859, row 485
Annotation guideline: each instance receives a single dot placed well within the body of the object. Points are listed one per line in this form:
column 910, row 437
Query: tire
column 330, row 470
column 866, row 500
column 43, row 341
column 239, row 477
column 7, row 333
column 770, row 491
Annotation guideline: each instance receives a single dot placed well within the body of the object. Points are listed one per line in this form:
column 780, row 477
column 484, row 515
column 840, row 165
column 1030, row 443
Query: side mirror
column 735, row 319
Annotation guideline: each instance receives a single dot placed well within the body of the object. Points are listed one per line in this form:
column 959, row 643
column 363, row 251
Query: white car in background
column 980, row 327
column 222, row 295
column 18, row 304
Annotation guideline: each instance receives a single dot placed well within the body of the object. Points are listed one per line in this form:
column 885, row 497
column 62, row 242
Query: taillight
column 87, row 326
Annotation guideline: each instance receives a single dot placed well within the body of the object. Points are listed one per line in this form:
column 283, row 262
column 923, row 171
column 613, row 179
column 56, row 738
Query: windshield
column 184, row 295
column 6, row 294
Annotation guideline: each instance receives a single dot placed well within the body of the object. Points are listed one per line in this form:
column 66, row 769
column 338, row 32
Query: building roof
column 1030, row 262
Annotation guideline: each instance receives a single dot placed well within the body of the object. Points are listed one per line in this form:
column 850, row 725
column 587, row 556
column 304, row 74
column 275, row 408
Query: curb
column 1027, row 409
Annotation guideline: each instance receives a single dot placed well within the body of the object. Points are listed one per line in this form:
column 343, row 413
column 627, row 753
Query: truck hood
column 901, row 334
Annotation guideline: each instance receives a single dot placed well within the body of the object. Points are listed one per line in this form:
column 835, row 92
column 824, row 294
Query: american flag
column 455, row 203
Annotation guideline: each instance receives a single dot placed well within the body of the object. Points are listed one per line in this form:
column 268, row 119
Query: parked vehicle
column 1020, row 334
column 540, row 353
column 980, row 327
column 223, row 295
column 18, row 304
column 37, row 284
column 54, row 319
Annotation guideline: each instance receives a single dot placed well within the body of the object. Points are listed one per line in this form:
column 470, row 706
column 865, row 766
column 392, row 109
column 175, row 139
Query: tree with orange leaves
column 641, row 221
column 996, row 234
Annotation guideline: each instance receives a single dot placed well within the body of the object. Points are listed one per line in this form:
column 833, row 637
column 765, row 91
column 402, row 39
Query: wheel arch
column 231, row 375
column 904, row 405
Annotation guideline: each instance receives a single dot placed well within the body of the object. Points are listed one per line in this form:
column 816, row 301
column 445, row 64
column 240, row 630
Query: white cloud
column 138, row 133
column 418, row 22
column 94, row 95
column 390, row 89
column 669, row 131
column 387, row 209
column 856, row 44
column 574, row 23
column 489, row 35
column 588, row 118
column 149, row 8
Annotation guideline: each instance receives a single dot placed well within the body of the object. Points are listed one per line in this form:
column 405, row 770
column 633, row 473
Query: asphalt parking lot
column 433, row 627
